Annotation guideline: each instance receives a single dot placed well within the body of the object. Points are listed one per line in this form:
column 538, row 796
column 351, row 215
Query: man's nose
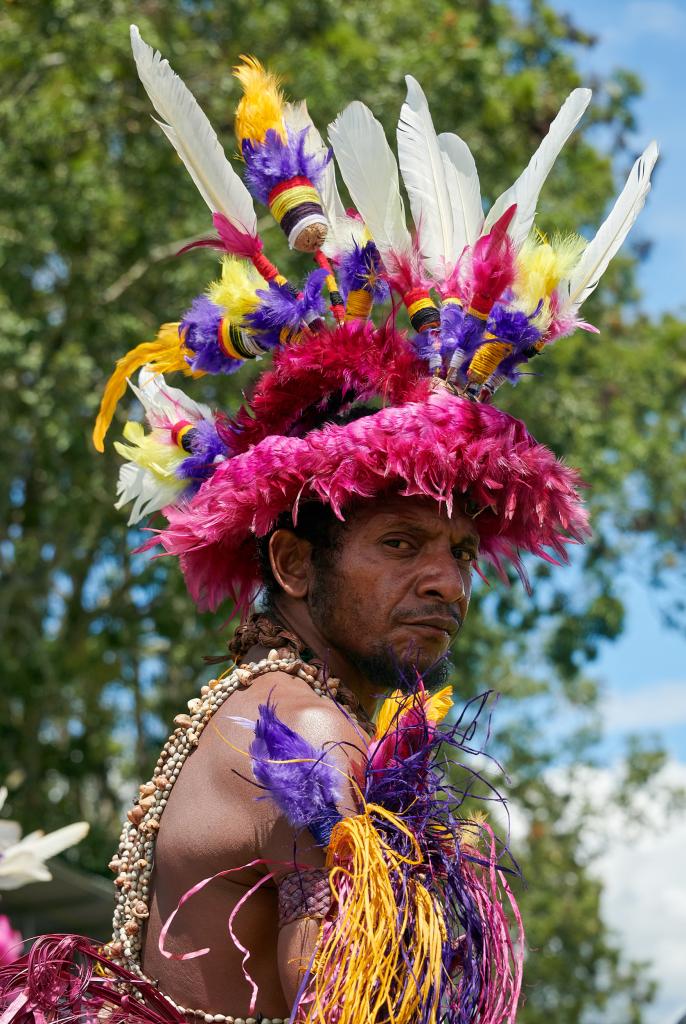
column 444, row 579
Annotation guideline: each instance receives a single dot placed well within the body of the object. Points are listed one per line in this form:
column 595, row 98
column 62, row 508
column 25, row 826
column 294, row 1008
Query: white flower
column 22, row 860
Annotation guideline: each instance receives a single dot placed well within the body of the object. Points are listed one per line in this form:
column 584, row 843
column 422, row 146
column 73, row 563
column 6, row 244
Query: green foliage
column 102, row 647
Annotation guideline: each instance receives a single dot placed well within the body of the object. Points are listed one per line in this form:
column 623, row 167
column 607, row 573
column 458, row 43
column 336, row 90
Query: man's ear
column 291, row 562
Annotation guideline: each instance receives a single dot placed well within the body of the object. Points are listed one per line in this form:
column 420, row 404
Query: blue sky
column 649, row 37
column 645, row 671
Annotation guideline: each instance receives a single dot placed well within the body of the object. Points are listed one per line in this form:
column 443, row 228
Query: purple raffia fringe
column 201, row 326
column 411, row 772
column 270, row 162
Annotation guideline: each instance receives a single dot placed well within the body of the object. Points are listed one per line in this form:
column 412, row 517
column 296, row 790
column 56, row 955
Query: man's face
column 399, row 586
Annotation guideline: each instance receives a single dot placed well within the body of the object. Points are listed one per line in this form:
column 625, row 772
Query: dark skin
column 400, row 592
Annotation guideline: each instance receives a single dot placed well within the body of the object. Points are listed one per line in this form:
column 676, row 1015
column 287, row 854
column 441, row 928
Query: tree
column 102, row 647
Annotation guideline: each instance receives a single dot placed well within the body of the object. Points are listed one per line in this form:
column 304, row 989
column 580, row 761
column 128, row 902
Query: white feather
column 612, row 232
column 147, row 491
column 193, row 137
column 423, row 172
column 370, row 171
column 462, row 179
column 163, row 404
column 297, row 118
column 527, row 187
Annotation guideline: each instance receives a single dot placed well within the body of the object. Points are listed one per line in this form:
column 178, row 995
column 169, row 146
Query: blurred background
column 100, row 648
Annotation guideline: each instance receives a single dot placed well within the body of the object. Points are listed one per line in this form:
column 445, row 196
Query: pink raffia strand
column 503, row 958
column 192, row 954
column 440, row 447
column 237, row 943
column 56, row 981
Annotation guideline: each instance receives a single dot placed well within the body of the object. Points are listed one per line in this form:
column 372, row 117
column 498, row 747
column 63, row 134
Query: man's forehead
column 418, row 511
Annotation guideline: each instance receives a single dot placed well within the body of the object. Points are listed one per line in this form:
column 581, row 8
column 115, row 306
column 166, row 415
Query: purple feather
column 280, row 308
column 517, row 328
column 360, row 267
column 308, row 788
column 201, row 324
column 270, row 162
column 452, row 321
column 207, row 449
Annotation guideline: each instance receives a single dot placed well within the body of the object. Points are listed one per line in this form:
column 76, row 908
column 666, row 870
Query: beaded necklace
column 133, row 861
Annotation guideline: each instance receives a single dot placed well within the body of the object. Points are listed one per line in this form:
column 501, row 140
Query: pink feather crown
column 484, row 294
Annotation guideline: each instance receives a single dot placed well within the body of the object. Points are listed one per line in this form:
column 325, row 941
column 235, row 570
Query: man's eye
column 464, row 555
column 398, row 543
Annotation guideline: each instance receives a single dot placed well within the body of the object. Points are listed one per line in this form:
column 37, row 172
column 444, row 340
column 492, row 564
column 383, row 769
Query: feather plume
column 193, row 138
column 166, row 353
column 236, row 290
column 612, row 232
column 423, row 172
column 159, row 472
column 462, row 179
column 261, row 107
column 299, row 777
column 148, row 479
column 539, row 268
column 527, row 188
column 492, row 261
column 297, row 119
column 370, row 171
column 275, row 159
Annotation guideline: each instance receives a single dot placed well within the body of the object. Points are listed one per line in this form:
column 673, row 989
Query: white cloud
column 643, row 876
column 644, row 898
column 657, row 706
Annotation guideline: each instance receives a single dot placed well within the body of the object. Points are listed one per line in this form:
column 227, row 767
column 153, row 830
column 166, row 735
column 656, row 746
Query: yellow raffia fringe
column 261, row 106
column 146, row 451
column 540, row 267
column 165, row 354
column 436, row 707
column 359, row 972
column 235, row 290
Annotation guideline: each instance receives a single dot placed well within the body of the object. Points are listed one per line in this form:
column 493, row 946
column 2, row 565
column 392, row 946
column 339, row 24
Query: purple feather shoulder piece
column 300, row 778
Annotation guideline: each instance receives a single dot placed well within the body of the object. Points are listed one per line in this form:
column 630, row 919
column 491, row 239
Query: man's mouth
column 438, row 625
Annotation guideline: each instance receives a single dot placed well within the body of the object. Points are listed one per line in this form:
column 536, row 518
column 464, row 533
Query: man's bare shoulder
column 319, row 720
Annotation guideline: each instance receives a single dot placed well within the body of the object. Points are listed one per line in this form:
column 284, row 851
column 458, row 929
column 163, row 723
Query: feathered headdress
column 484, row 295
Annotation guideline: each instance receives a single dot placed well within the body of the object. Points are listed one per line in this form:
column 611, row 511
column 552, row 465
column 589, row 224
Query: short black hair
column 318, row 524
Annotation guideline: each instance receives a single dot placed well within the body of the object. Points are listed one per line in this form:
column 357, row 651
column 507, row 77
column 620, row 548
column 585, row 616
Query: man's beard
column 381, row 666
column 384, row 669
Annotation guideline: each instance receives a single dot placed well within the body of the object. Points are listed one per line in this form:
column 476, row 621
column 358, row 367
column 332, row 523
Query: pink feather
column 492, row 262
column 441, row 447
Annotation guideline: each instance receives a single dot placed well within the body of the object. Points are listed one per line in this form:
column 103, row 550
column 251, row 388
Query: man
column 354, row 489
column 390, row 584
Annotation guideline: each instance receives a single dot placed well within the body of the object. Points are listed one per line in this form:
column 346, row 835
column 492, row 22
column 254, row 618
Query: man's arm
column 324, row 725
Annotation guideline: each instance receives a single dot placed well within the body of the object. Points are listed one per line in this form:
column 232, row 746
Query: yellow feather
column 235, row 290
column 387, row 712
column 146, row 451
column 471, row 831
column 540, row 267
column 262, row 104
column 436, row 707
column 165, row 355
column 439, row 704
